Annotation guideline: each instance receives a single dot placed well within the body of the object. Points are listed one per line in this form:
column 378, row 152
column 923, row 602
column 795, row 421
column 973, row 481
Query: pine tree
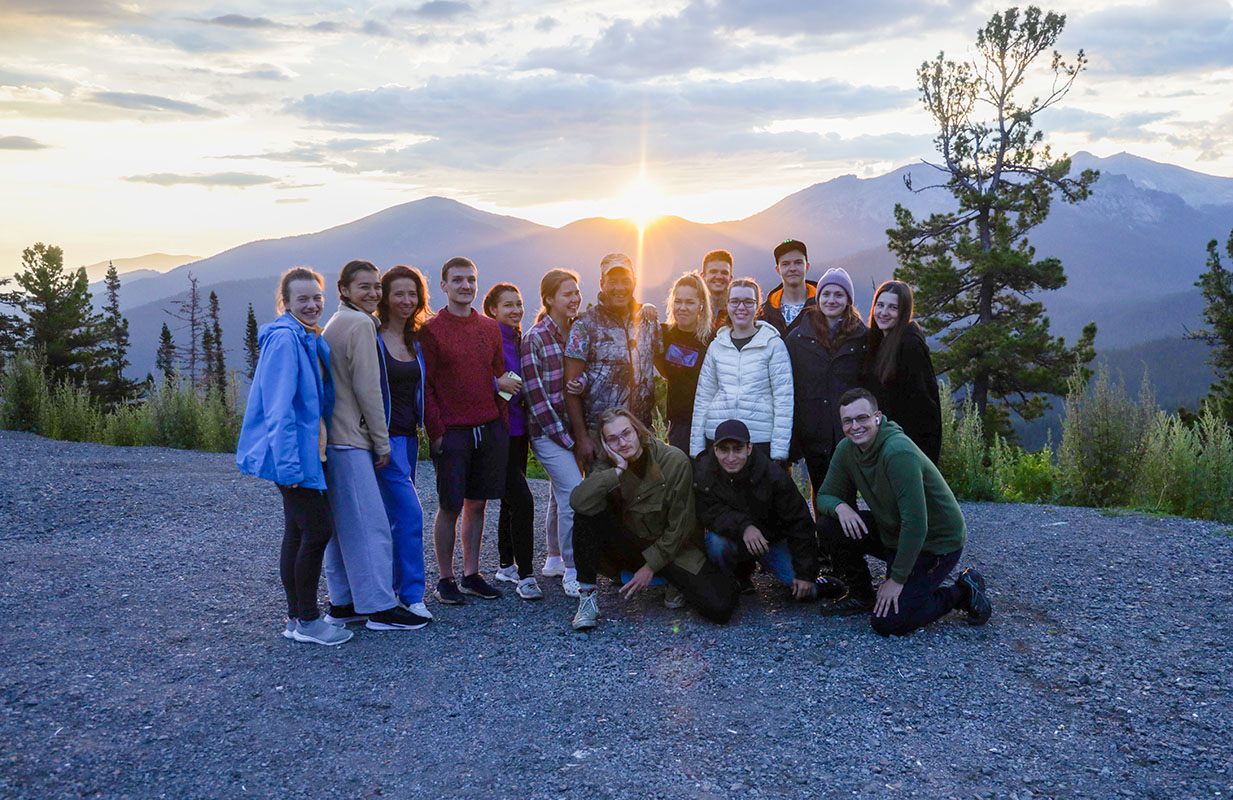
column 114, row 388
column 167, row 355
column 59, row 311
column 12, row 326
column 975, row 273
column 1217, row 287
column 217, row 360
column 189, row 312
column 252, row 348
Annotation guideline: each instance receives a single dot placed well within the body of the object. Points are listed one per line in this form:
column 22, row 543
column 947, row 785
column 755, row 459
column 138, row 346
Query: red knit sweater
column 463, row 356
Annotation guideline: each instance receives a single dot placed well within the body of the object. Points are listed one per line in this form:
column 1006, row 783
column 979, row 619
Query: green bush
column 963, row 459
column 128, row 426
column 71, row 414
column 1103, row 437
column 23, row 392
column 1020, row 476
column 1187, row 471
column 219, row 425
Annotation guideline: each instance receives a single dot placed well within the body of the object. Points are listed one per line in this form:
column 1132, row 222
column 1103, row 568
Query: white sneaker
column 554, row 567
column 420, row 609
column 508, row 574
column 570, row 587
column 528, row 589
column 673, row 597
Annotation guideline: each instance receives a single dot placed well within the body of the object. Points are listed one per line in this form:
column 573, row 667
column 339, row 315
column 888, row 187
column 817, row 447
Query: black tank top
column 404, row 377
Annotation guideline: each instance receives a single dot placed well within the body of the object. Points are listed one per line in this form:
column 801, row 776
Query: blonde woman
column 685, row 337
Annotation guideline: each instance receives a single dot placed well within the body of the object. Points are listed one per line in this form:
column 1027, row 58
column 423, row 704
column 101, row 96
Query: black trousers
column 923, row 598
column 309, row 524
column 516, row 523
column 602, row 544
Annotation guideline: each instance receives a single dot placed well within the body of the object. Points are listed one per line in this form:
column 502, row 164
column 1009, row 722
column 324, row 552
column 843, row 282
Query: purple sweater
column 510, row 343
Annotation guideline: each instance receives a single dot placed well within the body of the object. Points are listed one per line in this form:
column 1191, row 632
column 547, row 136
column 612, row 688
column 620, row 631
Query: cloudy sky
column 135, row 127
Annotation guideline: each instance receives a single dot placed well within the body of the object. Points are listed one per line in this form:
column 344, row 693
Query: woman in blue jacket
column 283, row 440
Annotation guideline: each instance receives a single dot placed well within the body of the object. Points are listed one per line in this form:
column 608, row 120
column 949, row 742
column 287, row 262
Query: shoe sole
column 344, row 621
column 553, row 573
column 588, row 626
column 474, row 593
column 498, row 576
column 393, row 626
column 673, row 606
column 448, row 601
column 539, row 596
column 299, row 637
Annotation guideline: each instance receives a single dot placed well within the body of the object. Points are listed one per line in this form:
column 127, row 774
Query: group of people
column 754, row 385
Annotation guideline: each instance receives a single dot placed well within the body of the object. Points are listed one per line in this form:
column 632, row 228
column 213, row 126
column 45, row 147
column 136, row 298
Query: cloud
column 545, row 24
column 372, row 27
column 1156, row 39
column 283, row 200
column 869, row 18
column 241, row 21
column 1127, row 127
column 21, row 143
column 215, row 179
column 150, row 102
column 266, row 72
column 435, row 10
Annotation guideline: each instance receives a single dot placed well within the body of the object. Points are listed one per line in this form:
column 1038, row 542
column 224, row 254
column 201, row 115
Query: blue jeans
column 726, row 554
column 402, row 506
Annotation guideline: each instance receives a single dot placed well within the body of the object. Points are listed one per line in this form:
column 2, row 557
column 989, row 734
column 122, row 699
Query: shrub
column 219, row 424
column 128, row 426
column 23, row 392
column 175, row 416
column 70, row 414
column 1020, row 476
column 963, row 461
column 1103, row 435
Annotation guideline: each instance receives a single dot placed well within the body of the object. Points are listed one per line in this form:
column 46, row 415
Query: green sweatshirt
column 915, row 510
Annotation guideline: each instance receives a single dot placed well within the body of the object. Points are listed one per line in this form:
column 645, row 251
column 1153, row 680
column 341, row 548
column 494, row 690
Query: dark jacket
column 763, row 495
column 910, row 396
column 773, row 313
column 820, row 377
column 680, row 361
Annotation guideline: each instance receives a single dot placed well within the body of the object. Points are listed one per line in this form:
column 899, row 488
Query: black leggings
column 516, row 523
column 307, row 530
column 602, row 542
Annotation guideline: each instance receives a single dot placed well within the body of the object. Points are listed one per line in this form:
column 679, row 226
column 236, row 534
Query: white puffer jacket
column 753, row 384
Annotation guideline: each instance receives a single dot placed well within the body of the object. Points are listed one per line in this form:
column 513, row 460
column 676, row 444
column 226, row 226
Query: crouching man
column 914, row 525
column 635, row 511
column 751, row 510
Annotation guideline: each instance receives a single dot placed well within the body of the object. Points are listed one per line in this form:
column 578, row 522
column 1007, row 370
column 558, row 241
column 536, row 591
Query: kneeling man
column 635, row 511
column 914, row 524
column 752, row 510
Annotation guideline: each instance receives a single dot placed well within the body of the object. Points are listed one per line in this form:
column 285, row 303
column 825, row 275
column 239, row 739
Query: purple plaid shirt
column 543, row 382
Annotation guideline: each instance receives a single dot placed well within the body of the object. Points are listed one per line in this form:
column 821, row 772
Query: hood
column 285, row 321
column 763, row 335
column 887, row 431
column 775, row 295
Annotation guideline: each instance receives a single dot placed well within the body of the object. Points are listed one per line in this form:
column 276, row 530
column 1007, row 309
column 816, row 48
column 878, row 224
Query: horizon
column 128, row 125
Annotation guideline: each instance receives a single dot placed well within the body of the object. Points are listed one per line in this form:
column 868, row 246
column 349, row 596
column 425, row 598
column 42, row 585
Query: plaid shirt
column 543, row 382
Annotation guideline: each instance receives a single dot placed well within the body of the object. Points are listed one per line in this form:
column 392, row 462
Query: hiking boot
column 554, row 567
column 396, row 619
column 570, row 587
column 447, row 593
column 975, row 601
column 587, row 615
column 848, row 606
column 318, row 631
column 476, row 586
column 419, row 609
column 673, row 597
column 508, row 574
column 828, row 587
column 528, row 589
column 343, row 615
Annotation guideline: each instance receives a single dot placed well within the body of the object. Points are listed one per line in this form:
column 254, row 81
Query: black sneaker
column 475, row 585
column 396, row 619
column 848, row 606
column 828, row 587
column 976, row 601
column 745, row 584
column 344, row 615
column 447, row 593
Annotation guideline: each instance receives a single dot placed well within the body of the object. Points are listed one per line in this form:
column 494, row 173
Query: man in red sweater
column 467, row 424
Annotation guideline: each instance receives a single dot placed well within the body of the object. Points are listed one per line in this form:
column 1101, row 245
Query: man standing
column 752, row 510
column 635, row 511
column 717, row 271
column 914, row 524
column 466, row 424
column 794, row 294
column 612, row 347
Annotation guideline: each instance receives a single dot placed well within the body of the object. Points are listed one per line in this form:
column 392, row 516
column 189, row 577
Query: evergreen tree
column 975, row 273
column 1217, row 287
column 252, row 348
column 189, row 312
column 114, row 388
column 217, row 360
column 167, row 355
column 13, row 327
column 59, row 310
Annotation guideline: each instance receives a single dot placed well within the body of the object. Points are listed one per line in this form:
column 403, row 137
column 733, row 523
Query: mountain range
column 1132, row 251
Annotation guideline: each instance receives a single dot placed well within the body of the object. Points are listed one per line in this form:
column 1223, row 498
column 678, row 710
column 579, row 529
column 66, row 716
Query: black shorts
column 471, row 464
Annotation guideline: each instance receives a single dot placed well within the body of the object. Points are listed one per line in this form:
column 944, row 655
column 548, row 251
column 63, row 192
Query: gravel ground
column 141, row 658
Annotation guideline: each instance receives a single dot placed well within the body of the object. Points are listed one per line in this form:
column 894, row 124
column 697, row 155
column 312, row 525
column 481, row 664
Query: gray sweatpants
column 359, row 561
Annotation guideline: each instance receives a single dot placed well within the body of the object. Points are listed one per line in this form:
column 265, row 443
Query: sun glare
column 641, row 202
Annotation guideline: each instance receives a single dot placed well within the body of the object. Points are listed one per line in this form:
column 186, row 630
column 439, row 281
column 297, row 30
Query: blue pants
column 358, row 559
column 727, row 554
column 402, row 505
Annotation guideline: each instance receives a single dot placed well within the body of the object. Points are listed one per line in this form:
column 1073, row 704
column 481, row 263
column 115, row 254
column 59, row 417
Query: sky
column 192, row 127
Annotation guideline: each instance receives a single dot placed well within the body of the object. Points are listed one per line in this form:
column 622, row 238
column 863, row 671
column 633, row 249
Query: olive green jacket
column 658, row 509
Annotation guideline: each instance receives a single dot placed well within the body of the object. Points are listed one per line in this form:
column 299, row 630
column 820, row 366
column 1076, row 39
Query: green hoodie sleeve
column 904, row 472
column 591, row 496
column 838, row 486
column 681, row 523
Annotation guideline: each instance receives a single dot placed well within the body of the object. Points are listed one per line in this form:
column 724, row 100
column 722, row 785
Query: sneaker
column 447, row 593
column 976, row 602
column 570, row 587
column 289, row 631
column 508, row 574
column 396, row 619
column 343, row 615
column 318, row 631
column 587, row 615
column 673, row 597
column 554, row 567
column 745, row 584
column 528, row 589
column 420, row 610
column 849, row 606
column 476, row 585
column 828, row 587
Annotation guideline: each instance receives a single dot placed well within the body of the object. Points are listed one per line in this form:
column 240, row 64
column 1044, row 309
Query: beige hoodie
column 359, row 407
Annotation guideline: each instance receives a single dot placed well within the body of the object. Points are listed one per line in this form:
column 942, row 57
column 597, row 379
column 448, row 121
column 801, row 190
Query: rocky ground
column 140, row 612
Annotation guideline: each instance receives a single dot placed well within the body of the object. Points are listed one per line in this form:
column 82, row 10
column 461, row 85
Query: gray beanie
column 838, row 276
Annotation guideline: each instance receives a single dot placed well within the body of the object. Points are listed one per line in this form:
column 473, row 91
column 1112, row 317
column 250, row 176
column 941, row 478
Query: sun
column 642, row 202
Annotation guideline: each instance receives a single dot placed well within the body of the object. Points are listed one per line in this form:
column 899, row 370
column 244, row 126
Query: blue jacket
column 290, row 396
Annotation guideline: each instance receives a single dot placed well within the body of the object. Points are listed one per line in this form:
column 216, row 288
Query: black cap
column 787, row 246
column 732, row 429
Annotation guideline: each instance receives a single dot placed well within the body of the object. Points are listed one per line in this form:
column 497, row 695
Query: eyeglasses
column 627, row 435
column 741, row 303
column 848, row 422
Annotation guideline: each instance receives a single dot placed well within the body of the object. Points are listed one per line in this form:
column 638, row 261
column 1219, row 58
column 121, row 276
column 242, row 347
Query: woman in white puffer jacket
column 747, row 375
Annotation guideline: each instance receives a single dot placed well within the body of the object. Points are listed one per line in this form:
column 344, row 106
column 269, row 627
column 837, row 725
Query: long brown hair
column 884, row 347
column 850, row 323
column 702, row 328
column 550, row 284
column 410, row 331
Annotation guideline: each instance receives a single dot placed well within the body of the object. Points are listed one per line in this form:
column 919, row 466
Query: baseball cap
column 732, row 430
column 615, row 261
column 787, row 246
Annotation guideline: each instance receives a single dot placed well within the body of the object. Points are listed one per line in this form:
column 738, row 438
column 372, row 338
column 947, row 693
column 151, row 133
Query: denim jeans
column 726, row 554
